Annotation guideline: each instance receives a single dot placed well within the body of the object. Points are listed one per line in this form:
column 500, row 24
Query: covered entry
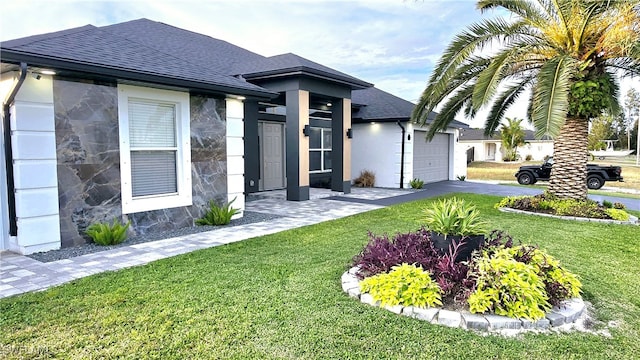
column 431, row 159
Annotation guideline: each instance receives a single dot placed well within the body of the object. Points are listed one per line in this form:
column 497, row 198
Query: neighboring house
column 396, row 151
column 489, row 148
column 147, row 122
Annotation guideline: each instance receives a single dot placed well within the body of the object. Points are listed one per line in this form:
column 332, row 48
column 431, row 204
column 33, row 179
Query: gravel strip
column 249, row 217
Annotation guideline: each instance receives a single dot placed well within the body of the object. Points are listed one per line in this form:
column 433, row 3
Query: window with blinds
column 152, row 139
column 155, row 148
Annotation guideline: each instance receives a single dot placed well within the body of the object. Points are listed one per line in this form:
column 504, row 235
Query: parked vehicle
column 596, row 174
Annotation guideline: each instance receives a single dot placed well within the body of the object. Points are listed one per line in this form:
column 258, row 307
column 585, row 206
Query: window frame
column 322, row 150
column 183, row 196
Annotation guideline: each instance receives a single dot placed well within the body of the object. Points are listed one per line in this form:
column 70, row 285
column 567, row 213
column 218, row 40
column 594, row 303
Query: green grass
column 279, row 296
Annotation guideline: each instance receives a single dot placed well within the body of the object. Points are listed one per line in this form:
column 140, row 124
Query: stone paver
column 19, row 274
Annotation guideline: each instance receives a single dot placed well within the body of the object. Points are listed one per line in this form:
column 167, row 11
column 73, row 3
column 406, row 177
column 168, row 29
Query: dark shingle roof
column 92, row 48
column 292, row 64
column 373, row 104
column 215, row 54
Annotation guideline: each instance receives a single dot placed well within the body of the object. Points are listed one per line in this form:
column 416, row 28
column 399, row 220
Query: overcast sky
column 391, row 43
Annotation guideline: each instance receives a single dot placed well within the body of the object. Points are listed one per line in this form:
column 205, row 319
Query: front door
column 491, row 151
column 272, row 156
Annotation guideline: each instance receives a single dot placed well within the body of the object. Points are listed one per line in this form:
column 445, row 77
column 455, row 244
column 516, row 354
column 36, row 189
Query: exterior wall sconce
column 349, row 133
column 307, row 130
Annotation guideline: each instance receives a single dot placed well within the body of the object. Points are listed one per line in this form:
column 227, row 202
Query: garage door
column 431, row 159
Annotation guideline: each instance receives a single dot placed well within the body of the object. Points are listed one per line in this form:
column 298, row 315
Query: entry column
column 341, row 146
column 297, row 144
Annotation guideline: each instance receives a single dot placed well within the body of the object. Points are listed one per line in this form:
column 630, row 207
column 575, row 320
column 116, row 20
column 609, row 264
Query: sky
column 393, row 44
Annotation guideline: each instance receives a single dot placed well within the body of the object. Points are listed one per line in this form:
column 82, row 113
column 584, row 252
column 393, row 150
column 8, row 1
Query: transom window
column 155, row 148
column 319, row 150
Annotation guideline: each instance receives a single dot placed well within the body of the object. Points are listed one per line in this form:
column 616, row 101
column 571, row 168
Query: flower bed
column 501, row 285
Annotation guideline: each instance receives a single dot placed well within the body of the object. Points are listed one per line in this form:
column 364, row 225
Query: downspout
column 8, row 152
column 404, row 131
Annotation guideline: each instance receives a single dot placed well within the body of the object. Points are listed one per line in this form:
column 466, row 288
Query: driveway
column 446, row 187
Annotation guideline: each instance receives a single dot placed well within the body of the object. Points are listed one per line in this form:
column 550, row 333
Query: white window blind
column 152, row 137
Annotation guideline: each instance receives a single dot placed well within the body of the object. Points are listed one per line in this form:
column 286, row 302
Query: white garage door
column 431, row 159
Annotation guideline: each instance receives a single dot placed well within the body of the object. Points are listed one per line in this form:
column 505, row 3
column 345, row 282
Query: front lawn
column 279, row 296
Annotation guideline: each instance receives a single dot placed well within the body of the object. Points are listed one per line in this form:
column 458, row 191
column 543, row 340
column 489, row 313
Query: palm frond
column 627, row 66
column 464, row 45
column 524, row 9
column 613, row 96
column 551, row 95
column 489, row 79
column 450, row 109
column 502, row 103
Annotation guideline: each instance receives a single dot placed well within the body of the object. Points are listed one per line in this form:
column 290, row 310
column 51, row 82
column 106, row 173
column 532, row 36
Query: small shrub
column 521, row 281
column 217, row 215
column 106, row 234
column 608, row 204
column 617, row 214
column 547, row 203
column 381, row 253
column 559, row 283
column 405, row 285
column 619, row 206
column 461, row 177
column 366, row 179
column 454, row 216
column 416, row 183
column 529, row 157
column 508, row 287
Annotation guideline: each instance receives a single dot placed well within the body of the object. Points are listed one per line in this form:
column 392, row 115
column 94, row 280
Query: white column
column 235, row 154
column 35, row 175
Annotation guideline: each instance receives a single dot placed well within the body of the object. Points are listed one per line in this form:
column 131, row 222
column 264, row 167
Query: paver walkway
column 19, row 274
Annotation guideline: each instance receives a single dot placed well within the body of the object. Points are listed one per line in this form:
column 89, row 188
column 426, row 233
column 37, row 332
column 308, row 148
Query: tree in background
column 512, row 135
column 602, row 128
column 632, row 114
column 566, row 52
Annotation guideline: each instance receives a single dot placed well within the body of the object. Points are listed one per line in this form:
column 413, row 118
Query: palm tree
column 512, row 136
column 569, row 53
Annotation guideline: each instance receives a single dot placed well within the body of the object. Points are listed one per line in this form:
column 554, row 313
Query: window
column 155, row 148
column 319, row 150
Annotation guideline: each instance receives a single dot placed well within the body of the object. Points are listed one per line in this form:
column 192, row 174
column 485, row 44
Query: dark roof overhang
column 112, row 72
column 353, row 83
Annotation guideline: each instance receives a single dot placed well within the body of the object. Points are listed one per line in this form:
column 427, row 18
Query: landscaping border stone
column 559, row 316
column 632, row 219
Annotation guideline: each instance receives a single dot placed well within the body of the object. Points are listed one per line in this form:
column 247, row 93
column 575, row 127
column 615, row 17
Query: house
column 395, row 150
column 145, row 122
column 489, row 148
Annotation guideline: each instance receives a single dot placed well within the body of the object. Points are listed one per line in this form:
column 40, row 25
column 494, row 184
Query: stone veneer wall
column 88, row 158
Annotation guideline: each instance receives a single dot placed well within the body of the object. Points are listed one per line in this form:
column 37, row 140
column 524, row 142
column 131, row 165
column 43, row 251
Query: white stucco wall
column 377, row 147
column 35, row 174
column 537, row 149
column 235, row 154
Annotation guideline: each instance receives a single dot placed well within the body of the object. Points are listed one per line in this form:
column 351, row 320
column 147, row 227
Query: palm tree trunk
column 569, row 173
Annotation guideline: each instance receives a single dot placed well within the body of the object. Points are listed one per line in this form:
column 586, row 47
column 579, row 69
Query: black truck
column 596, row 174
